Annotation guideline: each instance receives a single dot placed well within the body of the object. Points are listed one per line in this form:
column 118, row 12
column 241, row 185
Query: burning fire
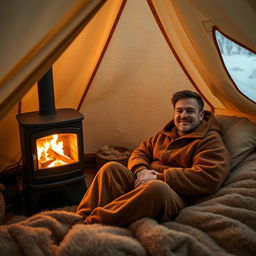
column 50, row 152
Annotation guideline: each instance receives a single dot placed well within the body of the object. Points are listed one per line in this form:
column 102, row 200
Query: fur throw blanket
column 222, row 224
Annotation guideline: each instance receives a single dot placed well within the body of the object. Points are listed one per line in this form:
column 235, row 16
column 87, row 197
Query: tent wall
column 74, row 68
column 33, row 35
column 77, row 64
column 130, row 97
column 9, row 140
column 189, row 27
column 123, row 92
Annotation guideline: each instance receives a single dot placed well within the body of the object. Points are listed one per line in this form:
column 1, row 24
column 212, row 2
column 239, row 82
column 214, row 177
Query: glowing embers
column 57, row 150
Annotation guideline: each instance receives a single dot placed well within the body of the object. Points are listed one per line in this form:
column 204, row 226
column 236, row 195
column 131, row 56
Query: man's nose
column 184, row 114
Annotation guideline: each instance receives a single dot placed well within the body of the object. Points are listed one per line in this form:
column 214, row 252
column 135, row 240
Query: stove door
column 56, row 154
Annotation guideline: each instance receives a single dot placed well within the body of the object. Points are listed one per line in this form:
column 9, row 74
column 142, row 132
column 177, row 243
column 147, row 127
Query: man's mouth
column 184, row 121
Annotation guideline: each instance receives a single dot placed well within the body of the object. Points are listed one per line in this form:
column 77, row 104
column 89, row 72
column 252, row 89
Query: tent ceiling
column 237, row 22
column 40, row 33
column 44, row 30
column 188, row 26
column 129, row 75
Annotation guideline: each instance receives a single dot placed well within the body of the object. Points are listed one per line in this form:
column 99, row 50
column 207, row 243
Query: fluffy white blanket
column 221, row 224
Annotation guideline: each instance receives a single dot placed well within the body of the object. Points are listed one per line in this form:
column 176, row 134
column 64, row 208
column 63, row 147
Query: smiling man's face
column 187, row 115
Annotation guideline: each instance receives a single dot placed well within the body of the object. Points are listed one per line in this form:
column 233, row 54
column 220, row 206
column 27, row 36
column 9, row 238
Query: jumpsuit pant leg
column 111, row 198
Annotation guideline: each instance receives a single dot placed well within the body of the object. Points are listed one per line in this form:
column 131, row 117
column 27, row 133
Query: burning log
column 59, row 157
column 47, row 163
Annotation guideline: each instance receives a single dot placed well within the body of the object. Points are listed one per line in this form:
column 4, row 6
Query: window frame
column 214, row 29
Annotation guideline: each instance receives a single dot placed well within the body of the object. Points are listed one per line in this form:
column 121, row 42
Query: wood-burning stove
column 51, row 146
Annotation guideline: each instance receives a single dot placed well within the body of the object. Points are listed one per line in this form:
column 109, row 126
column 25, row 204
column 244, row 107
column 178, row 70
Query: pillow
column 239, row 136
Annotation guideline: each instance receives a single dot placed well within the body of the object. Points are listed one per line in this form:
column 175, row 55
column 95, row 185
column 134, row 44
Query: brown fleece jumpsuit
column 112, row 199
column 192, row 165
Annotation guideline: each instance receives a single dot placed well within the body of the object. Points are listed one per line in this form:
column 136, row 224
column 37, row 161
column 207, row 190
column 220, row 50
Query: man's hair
column 187, row 94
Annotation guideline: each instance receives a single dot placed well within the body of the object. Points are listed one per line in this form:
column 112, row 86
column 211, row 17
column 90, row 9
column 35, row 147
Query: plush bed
column 223, row 223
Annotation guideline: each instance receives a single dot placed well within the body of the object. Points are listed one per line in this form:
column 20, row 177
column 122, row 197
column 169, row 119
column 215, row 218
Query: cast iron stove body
column 51, row 144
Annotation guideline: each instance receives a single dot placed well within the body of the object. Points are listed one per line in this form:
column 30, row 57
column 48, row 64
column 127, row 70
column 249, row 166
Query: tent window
column 240, row 64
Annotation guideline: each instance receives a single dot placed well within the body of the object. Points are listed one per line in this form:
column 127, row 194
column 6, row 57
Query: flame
column 50, row 152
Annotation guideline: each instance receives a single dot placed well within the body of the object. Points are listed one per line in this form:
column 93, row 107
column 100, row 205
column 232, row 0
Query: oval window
column 240, row 64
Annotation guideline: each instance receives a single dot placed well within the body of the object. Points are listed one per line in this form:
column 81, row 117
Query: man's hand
column 144, row 176
column 145, row 171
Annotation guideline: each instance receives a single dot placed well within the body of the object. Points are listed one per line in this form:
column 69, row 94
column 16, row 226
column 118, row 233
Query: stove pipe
column 46, row 94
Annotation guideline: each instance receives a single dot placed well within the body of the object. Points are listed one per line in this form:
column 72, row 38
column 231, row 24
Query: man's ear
column 201, row 115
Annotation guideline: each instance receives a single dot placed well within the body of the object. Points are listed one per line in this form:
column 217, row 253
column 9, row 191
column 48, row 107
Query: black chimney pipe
column 46, row 94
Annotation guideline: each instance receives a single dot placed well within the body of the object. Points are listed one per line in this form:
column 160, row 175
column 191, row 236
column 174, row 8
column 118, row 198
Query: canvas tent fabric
column 33, row 35
column 122, row 68
column 189, row 27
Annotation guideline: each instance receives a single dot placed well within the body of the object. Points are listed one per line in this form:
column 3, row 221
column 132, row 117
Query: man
column 185, row 160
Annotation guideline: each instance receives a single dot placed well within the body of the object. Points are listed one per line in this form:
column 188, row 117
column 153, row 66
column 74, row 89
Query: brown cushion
column 239, row 136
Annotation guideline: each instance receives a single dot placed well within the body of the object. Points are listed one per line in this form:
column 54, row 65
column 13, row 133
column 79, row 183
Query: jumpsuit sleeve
column 142, row 156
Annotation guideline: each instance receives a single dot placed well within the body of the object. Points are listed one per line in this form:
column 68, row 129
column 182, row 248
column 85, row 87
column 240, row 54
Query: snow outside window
column 240, row 64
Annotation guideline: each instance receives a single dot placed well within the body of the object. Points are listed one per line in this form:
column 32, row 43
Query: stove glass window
column 57, row 150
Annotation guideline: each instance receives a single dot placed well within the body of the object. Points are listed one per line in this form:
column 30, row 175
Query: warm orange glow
column 57, row 150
